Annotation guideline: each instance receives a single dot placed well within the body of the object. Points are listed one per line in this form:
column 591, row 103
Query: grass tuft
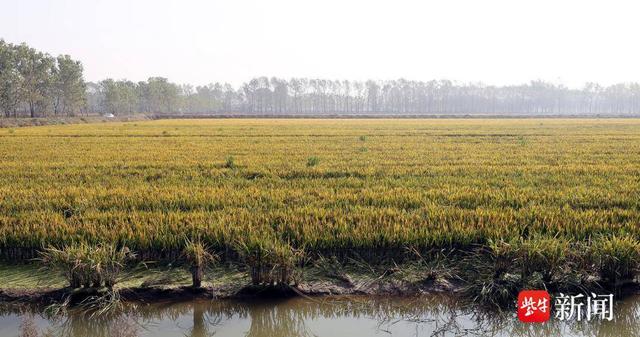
column 230, row 162
column 270, row 261
column 313, row 161
column 87, row 265
column 198, row 257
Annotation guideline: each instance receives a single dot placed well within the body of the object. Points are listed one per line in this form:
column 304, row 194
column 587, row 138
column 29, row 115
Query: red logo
column 534, row 306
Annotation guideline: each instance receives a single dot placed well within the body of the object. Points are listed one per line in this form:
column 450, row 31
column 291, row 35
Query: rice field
column 327, row 186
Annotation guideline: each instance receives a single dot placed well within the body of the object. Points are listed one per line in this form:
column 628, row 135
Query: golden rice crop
column 376, row 185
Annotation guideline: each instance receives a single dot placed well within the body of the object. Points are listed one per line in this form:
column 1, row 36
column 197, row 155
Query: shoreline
column 232, row 286
column 229, row 285
column 158, row 294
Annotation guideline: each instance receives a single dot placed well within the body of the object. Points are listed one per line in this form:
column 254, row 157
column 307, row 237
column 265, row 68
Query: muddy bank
column 48, row 296
column 234, row 287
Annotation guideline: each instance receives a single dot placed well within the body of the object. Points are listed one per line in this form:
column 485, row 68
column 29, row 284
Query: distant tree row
column 273, row 96
column 35, row 84
column 157, row 95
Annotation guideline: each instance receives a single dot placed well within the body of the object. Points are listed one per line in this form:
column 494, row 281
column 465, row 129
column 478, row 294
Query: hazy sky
column 198, row 41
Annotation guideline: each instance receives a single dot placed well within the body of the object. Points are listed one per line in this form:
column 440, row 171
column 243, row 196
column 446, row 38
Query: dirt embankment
column 40, row 121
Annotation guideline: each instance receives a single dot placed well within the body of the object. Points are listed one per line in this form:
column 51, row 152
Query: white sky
column 198, row 41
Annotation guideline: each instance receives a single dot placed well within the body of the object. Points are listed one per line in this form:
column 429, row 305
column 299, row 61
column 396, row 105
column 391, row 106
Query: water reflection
column 427, row 316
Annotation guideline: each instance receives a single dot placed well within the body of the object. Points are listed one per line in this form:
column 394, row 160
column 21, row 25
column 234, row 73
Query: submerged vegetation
column 558, row 210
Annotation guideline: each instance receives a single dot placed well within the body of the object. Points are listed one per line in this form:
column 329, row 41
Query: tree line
column 274, row 96
column 35, row 84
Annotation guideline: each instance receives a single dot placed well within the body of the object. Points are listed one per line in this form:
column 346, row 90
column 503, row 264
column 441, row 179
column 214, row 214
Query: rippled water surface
column 353, row 317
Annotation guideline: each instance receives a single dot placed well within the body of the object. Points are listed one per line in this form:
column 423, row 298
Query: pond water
column 353, row 317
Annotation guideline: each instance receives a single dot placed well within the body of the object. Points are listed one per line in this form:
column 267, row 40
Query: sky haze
column 198, row 42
